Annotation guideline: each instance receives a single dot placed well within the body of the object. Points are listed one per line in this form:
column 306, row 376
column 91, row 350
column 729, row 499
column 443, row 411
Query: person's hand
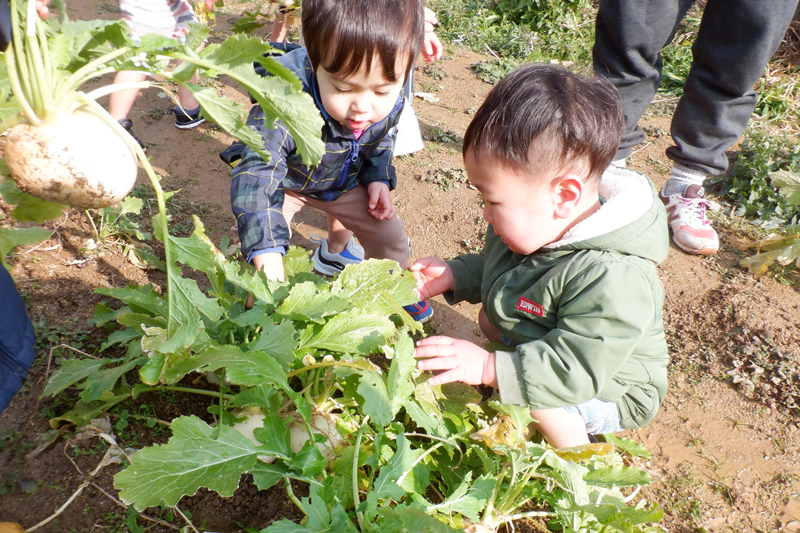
column 210, row 4
column 380, row 201
column 433, row 277
column 431, row 46
column 461, row 360
column 42, row 9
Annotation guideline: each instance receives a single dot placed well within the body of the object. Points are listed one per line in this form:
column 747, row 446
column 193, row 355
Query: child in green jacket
column 567, row 277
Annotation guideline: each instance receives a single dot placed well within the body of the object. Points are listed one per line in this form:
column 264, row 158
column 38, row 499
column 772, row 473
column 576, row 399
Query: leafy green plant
column 332, row 361
column 493, row 70
column 762, row 180
column 523, row 30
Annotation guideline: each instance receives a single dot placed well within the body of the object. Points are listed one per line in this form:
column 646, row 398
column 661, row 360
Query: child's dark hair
column 343, row 35
column 543, row 116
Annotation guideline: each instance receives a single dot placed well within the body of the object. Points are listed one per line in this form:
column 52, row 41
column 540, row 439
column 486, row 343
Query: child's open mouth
column 356, row 124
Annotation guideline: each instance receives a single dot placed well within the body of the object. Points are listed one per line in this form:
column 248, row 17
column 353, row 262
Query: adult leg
column 629, row 36
column 735, row 41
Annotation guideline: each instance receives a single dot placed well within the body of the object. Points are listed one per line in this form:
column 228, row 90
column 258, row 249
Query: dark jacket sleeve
column 257, row 189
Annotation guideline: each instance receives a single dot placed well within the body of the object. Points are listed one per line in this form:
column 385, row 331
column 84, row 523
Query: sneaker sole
column 705, row 250
column 189, row 125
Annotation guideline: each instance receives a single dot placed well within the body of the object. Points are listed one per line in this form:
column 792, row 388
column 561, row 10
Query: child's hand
column 432, row 46
column 433, row 277
column 462, row 361
column 210, row 4
column 380, row 201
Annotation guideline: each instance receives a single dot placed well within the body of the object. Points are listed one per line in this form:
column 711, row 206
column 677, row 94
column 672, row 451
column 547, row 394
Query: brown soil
column 725, row 455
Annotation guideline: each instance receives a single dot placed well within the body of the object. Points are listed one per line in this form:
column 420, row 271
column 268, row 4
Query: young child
column 567, row 276
column 357, row 58
column 170, row 18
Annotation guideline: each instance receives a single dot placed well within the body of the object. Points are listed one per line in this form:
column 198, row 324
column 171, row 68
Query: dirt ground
column 725, row 453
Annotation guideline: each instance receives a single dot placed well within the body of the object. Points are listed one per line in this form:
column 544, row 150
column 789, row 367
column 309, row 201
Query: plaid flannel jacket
column 257, row 188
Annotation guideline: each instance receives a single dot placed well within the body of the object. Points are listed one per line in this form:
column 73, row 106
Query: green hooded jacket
column 584, row 312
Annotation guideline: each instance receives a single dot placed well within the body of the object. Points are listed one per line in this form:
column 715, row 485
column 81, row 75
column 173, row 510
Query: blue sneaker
column 331, row 264
column 187, row 119
column 420, row 311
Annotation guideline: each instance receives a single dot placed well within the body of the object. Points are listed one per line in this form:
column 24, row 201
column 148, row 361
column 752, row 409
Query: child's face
column 521, row 208
column 360, row 100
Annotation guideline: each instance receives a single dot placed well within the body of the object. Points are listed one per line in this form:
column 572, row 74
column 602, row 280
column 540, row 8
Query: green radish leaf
column 399, row 385
column 628, row 446
column 306, row 304
column 196, row 250
column 208, row 306
column 242, row 368
column 398, row 469
column 11, row 238
column 788, row 183
column 351, row 332
column 122, row 337
column 298, row 261
column 469, row 498
column 616, row 475
column 266, row 475
column 139, row 299
column 70, row 372
column 83, row 413
column 151, row 372
column 277, row 341
column 275, row 434
column 401, row 518
column 364, row 282
column 196, row 456
column 376, row 399
column 279, row 98
column 105, row 379
column 243, row 277
column 309, row 462
column 623, row 517
column 29, row 208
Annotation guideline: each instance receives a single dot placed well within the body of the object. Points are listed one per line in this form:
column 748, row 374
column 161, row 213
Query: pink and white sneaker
column 691, row 229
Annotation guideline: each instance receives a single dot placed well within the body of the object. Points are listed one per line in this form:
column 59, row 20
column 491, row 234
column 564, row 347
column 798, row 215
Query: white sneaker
column 691, row 230
column 331, row 264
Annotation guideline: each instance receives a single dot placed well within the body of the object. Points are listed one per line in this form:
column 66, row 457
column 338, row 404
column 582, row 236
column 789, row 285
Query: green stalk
column 323, row 364
column 356, row 499
column 516, row 488
column 88, row 71
column 487, row 513
column 293, row 498
column 114, row 87
column 16, row 87
column 103, row 115
column 43, row 81
column 23, row 77
column 203, row 392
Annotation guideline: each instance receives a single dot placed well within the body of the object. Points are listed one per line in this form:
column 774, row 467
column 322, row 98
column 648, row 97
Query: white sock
column 682, row 177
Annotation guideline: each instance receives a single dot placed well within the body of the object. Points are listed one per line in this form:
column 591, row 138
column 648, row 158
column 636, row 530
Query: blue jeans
column 600, row 416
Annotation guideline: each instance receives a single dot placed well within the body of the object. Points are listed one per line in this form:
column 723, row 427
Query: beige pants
column 381, row 239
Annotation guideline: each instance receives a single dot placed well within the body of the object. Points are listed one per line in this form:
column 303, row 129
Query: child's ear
column 569, row 190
